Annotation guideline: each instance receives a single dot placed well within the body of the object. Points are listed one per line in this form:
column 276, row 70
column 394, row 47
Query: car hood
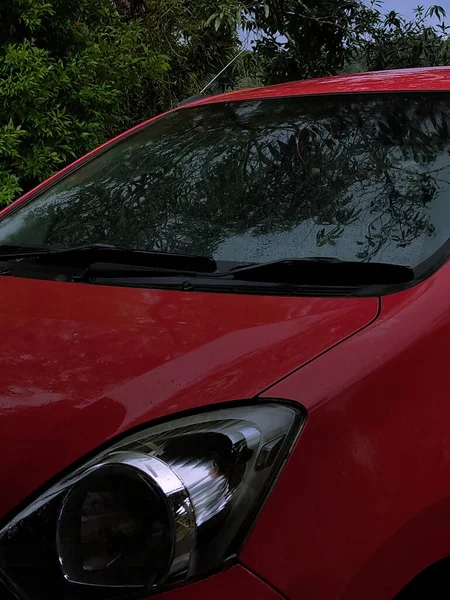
column 82, row 363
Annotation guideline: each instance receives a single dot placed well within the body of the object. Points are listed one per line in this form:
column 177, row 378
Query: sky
column 405, row 7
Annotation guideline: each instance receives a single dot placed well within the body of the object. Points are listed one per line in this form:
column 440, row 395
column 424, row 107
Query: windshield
column 355, row 177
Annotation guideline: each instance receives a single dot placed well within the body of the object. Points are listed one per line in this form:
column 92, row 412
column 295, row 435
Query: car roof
column 404, row 80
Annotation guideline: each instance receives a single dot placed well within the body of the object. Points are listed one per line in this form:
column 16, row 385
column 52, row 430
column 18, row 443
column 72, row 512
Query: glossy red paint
column 77, row 378
column 363, row 503
column 236, row 582
column 411, row 80
column 366, row 495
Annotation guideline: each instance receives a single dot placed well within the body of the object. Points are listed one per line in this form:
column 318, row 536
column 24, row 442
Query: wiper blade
column 107, row 253
column 298, row 271
column 126, row 271
column 8, row 251
column 323, row 271
column 320, row 272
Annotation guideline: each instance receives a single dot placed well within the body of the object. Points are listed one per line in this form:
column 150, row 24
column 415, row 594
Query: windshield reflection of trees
column 203, row 175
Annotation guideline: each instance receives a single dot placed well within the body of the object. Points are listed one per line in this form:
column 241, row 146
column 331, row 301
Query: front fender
column 363, row 505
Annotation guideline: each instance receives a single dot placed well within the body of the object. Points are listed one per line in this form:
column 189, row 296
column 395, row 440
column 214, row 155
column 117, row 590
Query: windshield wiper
column 323, row 271
column 109, row 253
column 105, row 261
column 319, row 272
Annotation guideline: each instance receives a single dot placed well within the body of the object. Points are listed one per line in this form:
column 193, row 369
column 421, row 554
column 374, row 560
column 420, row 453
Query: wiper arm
column 107, row 253
column 319, row 272
column 323, row 271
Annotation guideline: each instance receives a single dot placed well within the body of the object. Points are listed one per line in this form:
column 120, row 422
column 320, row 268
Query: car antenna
column 201, row 95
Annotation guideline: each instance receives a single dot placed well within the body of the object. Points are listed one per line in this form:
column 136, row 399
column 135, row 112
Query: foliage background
column 73, row 73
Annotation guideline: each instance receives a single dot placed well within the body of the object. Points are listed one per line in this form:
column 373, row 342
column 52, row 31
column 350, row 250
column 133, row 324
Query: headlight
column 171, row 502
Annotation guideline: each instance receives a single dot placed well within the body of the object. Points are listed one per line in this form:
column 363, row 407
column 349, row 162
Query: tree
column 397, row 43
column 75, row 72
column 198, row 38
column 302, row 39
column 72, row 74
column 298, row 39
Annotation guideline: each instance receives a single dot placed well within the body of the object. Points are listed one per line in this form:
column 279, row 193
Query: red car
column 225, row 342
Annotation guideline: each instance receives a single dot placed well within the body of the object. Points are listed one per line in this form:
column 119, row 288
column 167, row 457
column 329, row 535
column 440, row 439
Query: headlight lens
column 123, row 523
column 168, row 503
